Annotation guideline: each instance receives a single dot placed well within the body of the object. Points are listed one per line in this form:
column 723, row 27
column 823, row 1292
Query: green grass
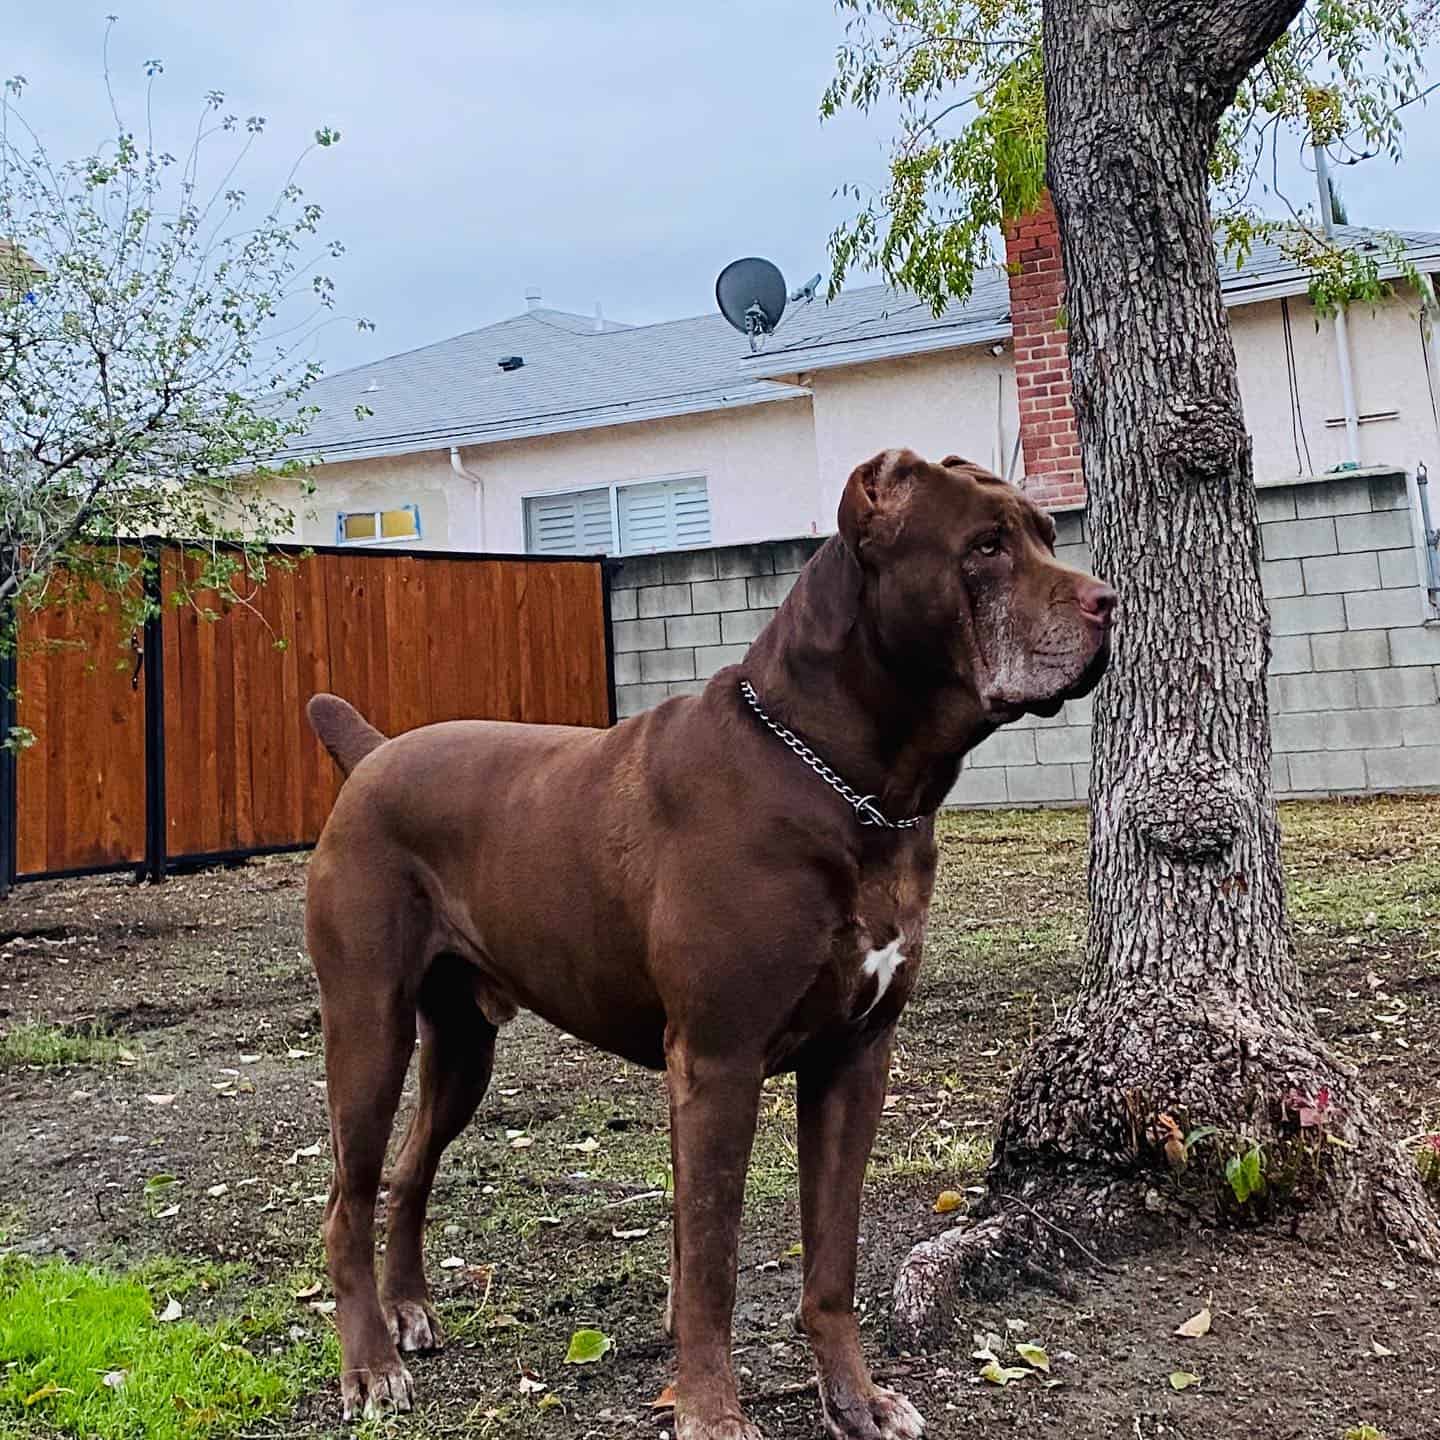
column 64, row 1328
column 50, row 1045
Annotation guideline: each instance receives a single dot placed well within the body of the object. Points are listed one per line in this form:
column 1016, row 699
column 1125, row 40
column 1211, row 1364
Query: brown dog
column 692, row 892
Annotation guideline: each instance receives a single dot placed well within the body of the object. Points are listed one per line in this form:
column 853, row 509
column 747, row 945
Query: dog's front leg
column 840, row 1098
column 714, row 1101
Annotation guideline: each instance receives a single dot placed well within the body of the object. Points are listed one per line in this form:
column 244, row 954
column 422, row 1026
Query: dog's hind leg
column 457, row 1051
column 368, row 1014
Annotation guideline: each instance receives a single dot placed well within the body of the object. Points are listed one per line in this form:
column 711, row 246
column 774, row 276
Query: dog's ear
column 875, row 498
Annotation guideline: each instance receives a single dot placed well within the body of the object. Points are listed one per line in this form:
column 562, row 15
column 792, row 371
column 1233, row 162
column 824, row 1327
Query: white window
column 655, row 515
column 377, row 527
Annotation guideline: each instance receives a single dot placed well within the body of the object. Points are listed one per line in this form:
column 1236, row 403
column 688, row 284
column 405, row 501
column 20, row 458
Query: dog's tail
column 342, row 730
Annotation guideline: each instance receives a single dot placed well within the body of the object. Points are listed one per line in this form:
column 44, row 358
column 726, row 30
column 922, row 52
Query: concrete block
column 1333, row 497
column 639, row 635
column 692, row 630
column 768, row 590
column 627, row 667
column 667, row 665
column 1289, row 654
column 624, row 604
column 710, row 658
column 632, row 699
column 792, row 555
column 685, row 687
column 1417, row 645
column 686, row 565
column 1389, row 492
column 979, row 787
column 743, row 561
column 709, row 596
column 1420, row 724
column 1276, row 503
column 1358, row 650
column 1079, row 556
column 1386, row 689
column 1035, row 784
column 1327, row 770
column 1068, row 746
column 1399, row 568
column 636, row 570
column 1362, row 730
column 1382, row 609
column 1289, row 733
column 1334, row 690
column 1069, row 528
column 1281, row 578
column 1280, row 774
column 658, row 600
column 1287, row 539
column 1330, row 574
column 1080, row 712
column 1307, row 614
column 1414, row 767
column 742, row 626
column 1004, row 747
column 1081, row 776
column 1387, row 530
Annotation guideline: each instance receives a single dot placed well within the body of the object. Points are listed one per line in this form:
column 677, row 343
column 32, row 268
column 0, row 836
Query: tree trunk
column 1191, row 1010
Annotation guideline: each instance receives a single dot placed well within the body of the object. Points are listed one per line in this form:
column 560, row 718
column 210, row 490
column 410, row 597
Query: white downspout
column 478, row 484
column 1342, row 334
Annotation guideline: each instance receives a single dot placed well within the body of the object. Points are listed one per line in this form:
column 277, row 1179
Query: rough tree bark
column 1191, row 1009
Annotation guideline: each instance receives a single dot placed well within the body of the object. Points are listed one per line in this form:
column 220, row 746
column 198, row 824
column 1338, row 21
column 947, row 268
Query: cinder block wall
column 680, row 617
column 1355, row 672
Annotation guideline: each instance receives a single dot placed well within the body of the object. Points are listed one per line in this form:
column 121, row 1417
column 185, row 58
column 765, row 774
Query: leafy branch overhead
column 155, row 329
column 969, row 146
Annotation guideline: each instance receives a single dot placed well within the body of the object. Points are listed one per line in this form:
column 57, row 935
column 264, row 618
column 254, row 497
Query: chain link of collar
column 866, row 811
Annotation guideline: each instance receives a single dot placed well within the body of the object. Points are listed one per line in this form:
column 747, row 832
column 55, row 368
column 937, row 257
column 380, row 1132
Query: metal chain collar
column 863, row 805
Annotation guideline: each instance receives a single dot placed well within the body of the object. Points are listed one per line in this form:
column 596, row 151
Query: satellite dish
column 751, row 296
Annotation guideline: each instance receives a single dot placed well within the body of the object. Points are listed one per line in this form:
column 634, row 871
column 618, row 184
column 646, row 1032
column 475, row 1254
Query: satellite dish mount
column 751, row 296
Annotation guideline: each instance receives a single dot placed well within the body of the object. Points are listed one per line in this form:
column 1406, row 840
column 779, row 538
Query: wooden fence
column 187, row 742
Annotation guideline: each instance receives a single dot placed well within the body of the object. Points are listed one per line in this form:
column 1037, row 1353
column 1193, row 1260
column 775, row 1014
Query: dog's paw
column 724, row 1427
column 879, row 1415
column 413, row 1325
column 895, row 1417
column 375, row 1390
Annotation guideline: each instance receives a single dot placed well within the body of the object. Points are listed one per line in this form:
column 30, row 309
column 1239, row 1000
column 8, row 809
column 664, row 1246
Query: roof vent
column 532, row 298
column 511, row 362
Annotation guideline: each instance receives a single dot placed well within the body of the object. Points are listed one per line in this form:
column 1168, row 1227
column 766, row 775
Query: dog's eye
column 990, row 545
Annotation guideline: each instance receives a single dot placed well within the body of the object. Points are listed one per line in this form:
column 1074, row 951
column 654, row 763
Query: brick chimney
column 1042, row 366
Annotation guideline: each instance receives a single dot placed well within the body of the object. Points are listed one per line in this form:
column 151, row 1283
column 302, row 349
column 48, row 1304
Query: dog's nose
column 1097, row 603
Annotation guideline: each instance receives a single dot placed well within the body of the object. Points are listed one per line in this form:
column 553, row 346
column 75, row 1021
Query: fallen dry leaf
column 172, row 1311
column 161, row 1099
column 948, row 1200
column 1196, row 1326
column 665, row 1400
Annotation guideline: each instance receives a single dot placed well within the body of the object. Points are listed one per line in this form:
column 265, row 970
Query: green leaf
column 998, row 1374
column 588, row 1346
column 1034, row 1355
column 1182, row 1379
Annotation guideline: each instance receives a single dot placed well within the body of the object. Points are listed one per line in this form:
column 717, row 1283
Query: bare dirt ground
column 195, row 1129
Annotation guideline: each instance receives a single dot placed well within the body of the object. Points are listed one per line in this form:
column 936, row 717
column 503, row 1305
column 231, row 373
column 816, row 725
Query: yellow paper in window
column 360, row 527
column 396, row 523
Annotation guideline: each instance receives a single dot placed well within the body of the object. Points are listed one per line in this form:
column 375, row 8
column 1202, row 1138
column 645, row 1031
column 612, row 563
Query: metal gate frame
column 157, row 861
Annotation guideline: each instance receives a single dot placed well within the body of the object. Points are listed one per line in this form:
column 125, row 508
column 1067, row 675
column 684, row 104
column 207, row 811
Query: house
column 555, row 432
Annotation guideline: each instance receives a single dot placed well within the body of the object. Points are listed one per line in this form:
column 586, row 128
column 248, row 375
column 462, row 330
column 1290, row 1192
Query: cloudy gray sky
column 620, row 153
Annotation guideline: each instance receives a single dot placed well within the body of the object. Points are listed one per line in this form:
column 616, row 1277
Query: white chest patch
column 882, row 965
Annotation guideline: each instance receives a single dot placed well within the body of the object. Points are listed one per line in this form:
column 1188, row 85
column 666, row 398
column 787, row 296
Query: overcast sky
column 620, row 154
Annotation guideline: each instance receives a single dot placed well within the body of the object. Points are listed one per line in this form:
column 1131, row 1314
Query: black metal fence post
column 156, row 855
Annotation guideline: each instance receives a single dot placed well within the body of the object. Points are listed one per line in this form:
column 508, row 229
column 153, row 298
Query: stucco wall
column 1389, row 371
column 935, row 404
column 446, row 502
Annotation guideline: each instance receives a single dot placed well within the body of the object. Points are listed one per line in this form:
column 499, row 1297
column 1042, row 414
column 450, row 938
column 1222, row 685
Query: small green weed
column 82, row 1353
column 48, row 1045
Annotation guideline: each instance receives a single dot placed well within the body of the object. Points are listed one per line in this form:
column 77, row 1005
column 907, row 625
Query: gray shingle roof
column 576, row 377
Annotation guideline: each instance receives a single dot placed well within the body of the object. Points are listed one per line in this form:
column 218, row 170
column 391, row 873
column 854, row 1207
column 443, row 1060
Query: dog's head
column 961, row 581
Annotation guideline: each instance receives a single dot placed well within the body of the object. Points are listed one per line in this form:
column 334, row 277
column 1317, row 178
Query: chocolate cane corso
column 729, row 886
